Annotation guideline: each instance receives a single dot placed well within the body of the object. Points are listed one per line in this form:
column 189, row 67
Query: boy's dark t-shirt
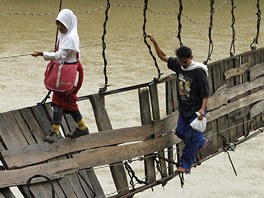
column 192, row 88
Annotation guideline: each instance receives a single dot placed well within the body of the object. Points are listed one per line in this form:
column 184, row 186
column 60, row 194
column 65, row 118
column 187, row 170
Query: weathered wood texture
column 103, row 123
column 145, row 114
column 235, row 107
column 156, row 116
column 25, row 127
column 236, row 102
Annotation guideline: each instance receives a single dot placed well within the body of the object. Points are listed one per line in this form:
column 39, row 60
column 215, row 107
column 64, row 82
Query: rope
column 14, row 56
column 37, row 176
column 232, row 47
column 103, row 89
column 179, row 22
column 211, row 46
column 145, row 39
column 254, row 44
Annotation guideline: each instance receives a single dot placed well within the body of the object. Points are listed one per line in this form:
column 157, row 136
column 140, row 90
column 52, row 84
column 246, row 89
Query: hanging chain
column 132, row 175
column 232, row 47
column 228, row 147
column 103, row 89
column 211, row 46
column 179, row 22
column 145, row 39
column 254, row 43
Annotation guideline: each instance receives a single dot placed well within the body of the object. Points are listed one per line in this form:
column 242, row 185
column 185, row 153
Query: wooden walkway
column 235, row 108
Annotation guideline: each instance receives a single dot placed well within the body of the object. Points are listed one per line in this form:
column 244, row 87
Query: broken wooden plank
column 15, row 158
column 224, row 94
column 228, row 108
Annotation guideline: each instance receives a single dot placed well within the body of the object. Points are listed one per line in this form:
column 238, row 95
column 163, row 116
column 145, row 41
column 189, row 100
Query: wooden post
column 145, row 113
column 171, row 106
column 156, row 116
column 103, row 123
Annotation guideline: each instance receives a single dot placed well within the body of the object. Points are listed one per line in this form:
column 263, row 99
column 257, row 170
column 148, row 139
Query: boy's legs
column 192, row 140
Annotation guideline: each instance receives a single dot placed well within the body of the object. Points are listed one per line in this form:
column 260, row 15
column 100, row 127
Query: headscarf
column 70, row 40
column 195, row 65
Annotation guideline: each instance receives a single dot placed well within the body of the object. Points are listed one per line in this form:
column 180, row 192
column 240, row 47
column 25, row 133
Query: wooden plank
column 210, row 80
column 224, row 94
column 95, row 184
column 170, row 107
column 217, row 76
column 6, row 193
column 174, row 95
column 145, row 114
column 103, row 123
column 239, row 113
column 97, row 157
column 113, row 154
column 156, row 116
column 256, row 71
column 228, row 108
column 70, row 185
column 238, row 71
column 229, row 64
column 26, row 116
column 10, row 131
column 166, row 124
column 257, row 109
column 44, row 151
column 53, row 170
column 32, row 124
column 42, row 116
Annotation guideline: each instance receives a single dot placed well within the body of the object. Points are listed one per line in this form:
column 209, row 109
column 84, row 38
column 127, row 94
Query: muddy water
column 129, row 63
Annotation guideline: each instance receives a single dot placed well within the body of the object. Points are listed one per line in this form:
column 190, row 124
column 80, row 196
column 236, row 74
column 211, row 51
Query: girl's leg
column 81, row 128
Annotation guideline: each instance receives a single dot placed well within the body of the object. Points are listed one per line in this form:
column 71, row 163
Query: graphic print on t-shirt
column 184, row 84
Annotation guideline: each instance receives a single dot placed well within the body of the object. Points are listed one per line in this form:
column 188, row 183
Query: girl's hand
column 37, row 53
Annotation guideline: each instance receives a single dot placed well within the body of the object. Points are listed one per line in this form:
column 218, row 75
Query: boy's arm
column 159, row 51
column 201, row 111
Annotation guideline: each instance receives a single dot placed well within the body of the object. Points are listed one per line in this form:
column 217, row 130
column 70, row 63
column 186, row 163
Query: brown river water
column 129, row 63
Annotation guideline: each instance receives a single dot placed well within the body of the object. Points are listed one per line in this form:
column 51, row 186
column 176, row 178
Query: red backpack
column 61, row 77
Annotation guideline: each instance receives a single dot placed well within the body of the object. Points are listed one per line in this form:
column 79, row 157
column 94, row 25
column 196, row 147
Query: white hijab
column 70, row 40
column 195, row 65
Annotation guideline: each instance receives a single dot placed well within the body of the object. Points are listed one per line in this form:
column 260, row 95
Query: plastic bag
column 199, row 125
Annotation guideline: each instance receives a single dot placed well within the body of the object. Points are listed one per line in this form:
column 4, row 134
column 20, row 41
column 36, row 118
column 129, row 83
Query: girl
column 67, row 52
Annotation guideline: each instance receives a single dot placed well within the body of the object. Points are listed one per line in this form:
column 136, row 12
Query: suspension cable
column 232, row 47
column 145, row 39
column 254, row 43
column 179, row 22
column 55, row 49
column 103, row 89
column 211, row 46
